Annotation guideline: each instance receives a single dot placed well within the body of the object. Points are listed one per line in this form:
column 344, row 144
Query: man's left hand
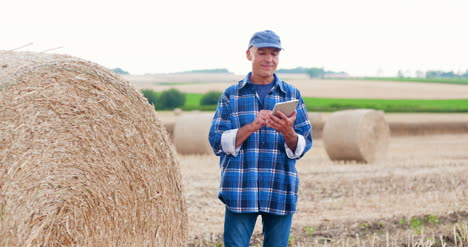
column 284, row 125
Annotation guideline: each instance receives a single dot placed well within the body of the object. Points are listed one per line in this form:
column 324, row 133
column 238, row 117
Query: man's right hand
column 260, row 120
column 244, row 132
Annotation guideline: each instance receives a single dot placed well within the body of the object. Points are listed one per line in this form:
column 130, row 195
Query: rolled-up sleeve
column 228, row 142
column 220, row 135
column 303, row 129
column 300, row 147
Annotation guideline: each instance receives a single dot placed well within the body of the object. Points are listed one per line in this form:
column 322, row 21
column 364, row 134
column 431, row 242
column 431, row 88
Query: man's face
column 264, row 60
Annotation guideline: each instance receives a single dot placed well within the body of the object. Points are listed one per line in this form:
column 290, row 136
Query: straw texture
column 84, row 159
column 191, row 133
column 361, row 135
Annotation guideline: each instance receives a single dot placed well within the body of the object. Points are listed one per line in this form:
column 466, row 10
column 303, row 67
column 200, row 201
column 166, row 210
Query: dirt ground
column 424, row 175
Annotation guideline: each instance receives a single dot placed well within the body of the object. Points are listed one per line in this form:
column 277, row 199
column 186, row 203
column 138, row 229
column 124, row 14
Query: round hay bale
column 191, row 133
column 315, row 118
column 317, row 122
column 361, row 135
column 84, row 159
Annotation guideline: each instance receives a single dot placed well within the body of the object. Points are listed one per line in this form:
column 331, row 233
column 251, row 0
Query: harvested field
column 423, row 176
column 193, row 83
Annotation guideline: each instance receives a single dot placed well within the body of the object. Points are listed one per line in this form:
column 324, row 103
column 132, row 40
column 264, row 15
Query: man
column 258, row 150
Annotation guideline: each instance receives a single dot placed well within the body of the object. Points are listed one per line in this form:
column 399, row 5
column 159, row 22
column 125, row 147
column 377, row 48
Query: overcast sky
column 361, row 37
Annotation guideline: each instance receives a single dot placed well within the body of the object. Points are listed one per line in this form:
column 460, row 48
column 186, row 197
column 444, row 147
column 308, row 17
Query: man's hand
column 244, row 132
column 284, row 125
column 261, row 119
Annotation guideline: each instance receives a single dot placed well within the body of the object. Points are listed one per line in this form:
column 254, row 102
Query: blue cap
column 265, row 38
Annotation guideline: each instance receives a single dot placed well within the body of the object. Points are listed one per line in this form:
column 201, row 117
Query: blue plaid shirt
column 260, row 175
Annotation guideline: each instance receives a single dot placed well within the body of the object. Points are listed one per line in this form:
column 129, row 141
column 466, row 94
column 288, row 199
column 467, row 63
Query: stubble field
column 422, row 176
column 416, row 196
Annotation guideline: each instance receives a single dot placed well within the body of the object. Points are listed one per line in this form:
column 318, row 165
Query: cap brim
column 263, row 45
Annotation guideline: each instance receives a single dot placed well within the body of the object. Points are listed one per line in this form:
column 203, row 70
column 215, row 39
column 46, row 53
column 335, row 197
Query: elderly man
column 258, row 150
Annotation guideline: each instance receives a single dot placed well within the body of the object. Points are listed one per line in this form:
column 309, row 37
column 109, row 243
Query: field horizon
column 317, row 88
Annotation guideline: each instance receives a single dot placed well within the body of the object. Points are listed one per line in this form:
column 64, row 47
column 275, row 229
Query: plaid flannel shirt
column 259, row 176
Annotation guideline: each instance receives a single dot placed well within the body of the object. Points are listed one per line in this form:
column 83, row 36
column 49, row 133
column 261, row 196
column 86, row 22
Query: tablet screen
column 287, row 107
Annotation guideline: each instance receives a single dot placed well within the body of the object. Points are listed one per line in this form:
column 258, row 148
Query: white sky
column 361, row 37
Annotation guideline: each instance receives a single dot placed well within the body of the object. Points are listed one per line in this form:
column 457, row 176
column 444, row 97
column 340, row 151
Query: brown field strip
column 407, row 124
column 426, row 175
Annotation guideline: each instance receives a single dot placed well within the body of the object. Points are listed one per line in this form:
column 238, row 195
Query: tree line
column 173, row 98
column 312, row 72
column 446, row 74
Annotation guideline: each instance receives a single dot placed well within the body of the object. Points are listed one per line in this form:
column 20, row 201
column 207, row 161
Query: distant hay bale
column 317, row 130
column 177, row 111
column 84, row 159
column 317, row 122
column 169, row 126
column 315, row 117
column 191, row 133
column 361, row 135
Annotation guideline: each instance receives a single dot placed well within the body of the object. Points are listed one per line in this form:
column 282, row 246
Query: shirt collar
column 277, row 81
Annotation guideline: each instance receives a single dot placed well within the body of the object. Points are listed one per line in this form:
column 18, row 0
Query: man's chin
column 268, row 72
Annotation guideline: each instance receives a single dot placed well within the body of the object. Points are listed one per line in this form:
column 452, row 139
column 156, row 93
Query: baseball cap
column 265, row 38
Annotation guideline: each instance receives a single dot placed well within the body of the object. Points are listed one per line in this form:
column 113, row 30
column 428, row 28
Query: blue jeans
column 238, row 229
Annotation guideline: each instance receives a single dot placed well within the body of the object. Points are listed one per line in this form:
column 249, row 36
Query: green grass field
column 192, row 102
column 387, row 105
column 398, row 79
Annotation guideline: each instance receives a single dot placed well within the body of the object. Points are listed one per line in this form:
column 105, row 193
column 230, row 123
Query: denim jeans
column 238, row 229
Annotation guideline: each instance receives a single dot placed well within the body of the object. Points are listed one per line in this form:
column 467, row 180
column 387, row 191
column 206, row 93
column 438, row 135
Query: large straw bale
column 361, row 135
column 84, row 159
column 191, row 133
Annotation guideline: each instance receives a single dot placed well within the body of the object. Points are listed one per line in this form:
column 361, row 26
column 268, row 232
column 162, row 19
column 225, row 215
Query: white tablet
column 287, row 107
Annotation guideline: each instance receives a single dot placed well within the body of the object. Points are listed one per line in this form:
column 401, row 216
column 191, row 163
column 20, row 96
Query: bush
column 120, row 71
column 210, row 98
column 170, row 99
column 150, row 95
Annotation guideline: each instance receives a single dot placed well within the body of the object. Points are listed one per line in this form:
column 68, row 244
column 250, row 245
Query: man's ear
column 248, row 54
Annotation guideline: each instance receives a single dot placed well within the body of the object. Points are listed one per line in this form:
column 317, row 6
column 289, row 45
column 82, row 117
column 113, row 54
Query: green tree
column 120, row 71
column 315, row 72
column 210, row 98
column 150, row 95
column 170, row 99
